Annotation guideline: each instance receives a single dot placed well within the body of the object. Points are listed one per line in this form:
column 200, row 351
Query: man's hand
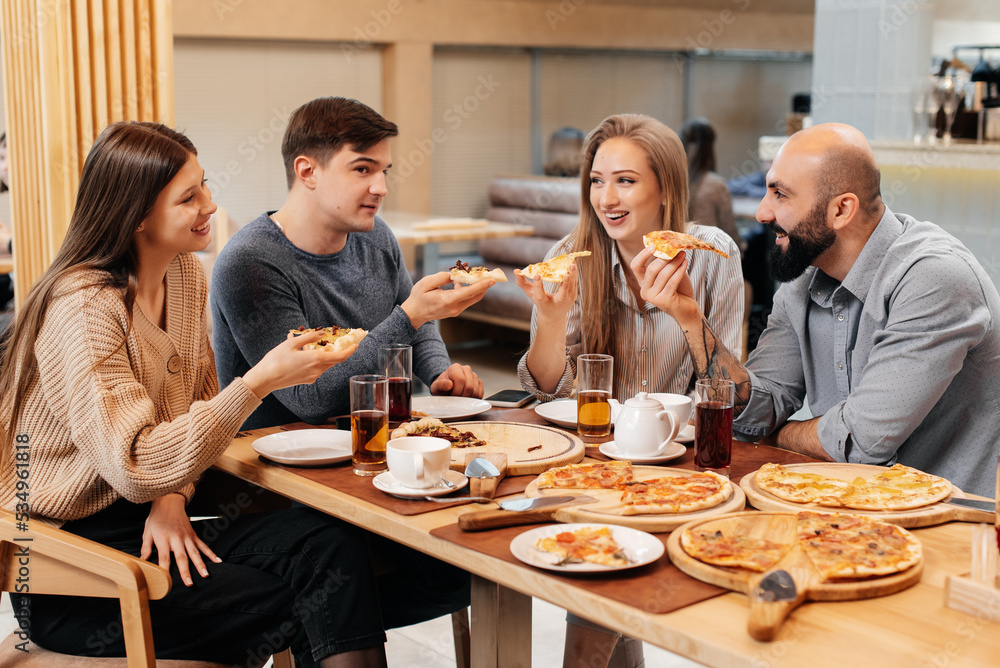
column 427, row 301
column 170, row 530
column 460, row 381
column 666, row 284
column 550, row 306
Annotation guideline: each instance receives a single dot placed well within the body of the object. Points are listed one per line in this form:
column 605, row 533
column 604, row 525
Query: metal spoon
column 449, row 499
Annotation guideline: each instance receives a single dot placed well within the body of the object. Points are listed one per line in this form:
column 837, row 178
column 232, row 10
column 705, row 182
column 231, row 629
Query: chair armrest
column 52, row 561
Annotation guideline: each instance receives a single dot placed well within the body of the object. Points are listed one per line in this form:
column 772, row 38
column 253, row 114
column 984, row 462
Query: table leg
column 501, row 626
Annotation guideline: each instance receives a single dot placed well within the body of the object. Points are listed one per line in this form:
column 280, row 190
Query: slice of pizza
column 555, row 270
column 602, row 475
column 719, row 548
column 436, row 429
column 463, row 273
column 592, row 544
column 668, row 243
column 851, row 546
column 334, row 339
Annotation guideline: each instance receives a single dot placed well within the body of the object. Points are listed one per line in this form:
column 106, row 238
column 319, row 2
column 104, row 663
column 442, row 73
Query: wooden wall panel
column 69, row 69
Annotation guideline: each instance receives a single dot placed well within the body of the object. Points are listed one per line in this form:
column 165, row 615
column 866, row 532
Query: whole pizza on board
column 684, row 492
column 896, row 488
column 839, row 546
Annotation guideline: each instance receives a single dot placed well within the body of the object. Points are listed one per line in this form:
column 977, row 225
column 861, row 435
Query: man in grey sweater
column 324, row 258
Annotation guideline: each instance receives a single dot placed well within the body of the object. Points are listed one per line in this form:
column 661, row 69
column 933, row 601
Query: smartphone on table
column 510, row 398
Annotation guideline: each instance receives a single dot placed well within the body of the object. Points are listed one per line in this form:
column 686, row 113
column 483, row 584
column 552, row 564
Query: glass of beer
column 593, row 394
column 713, row 425
column 369, row 423
column 395, row 361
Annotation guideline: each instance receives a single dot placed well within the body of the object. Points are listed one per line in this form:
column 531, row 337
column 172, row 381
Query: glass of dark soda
column 713, row 425
column 396, row 364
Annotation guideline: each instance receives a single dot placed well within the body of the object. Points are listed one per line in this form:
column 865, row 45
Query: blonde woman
column 634, row 181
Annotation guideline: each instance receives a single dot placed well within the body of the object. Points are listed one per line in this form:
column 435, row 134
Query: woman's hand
column 287, row 364
column 169, row 530
column 666, row 284
column 550, row 306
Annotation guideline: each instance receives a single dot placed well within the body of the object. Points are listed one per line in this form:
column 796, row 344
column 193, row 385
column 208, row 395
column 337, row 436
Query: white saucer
column 686, row 434
column 672, row 451
column 385, row 482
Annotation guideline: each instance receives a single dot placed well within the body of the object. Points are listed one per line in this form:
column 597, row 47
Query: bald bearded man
column 887, row 324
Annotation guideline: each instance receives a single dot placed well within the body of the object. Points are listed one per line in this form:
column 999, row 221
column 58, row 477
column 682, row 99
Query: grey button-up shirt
column 901, row 360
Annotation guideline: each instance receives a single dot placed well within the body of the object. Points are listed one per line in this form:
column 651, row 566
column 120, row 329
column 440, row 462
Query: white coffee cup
column 678, row 404
column 418, row 461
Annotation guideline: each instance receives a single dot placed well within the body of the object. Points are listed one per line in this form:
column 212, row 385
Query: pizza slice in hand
column 554, row 271
column 669, row 243
column 463, row 273
column 334, row 339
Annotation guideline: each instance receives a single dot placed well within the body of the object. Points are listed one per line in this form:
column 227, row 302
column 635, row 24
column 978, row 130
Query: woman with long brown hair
column 634, row 181
column 109, row 400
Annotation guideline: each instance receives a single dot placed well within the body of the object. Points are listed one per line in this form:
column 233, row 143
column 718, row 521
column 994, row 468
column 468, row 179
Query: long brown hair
column 127, row 167
column 669, row 164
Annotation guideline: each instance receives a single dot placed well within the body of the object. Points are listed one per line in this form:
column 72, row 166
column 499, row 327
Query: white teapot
column 643, row 427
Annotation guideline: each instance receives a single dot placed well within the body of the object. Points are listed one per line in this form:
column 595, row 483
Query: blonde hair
column 669, row 164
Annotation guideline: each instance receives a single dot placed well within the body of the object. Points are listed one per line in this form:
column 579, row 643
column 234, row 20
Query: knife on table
column 515, row 512
column 972, row 510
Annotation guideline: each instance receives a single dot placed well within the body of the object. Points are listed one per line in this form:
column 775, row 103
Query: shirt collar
column 859, row 279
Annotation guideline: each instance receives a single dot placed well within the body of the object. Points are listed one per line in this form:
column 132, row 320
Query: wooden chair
column 58, row 562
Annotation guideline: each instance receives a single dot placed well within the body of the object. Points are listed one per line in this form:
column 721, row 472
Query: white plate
column 305, row 447
column 672, row 451
column 450, row 408
column 686, row 434
column 640, row 547
column 385, row 482
column 563, row 412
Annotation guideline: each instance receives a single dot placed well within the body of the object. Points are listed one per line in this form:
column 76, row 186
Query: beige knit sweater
column 143, row 423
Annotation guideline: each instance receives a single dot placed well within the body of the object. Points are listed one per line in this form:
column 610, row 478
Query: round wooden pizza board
column 607, row 501
column 773, row 527
column 520, row 443
column 935, row 513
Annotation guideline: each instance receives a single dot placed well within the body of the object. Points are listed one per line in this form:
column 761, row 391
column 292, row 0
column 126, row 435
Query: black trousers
column 293, row 578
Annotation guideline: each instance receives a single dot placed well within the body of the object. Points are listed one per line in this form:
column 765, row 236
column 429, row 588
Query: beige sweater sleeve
column 99, row 386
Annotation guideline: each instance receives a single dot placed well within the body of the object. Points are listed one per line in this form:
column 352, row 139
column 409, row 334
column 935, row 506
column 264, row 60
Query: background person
column 887, row 324
column 710, row 203
column 121, row 422
column 565, row 152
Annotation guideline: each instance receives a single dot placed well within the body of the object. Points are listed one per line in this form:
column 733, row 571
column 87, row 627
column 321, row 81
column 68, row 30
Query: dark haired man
column 889, row 325
column 324, row 258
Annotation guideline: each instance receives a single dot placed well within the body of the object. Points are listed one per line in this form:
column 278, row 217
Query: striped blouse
column 652, row 352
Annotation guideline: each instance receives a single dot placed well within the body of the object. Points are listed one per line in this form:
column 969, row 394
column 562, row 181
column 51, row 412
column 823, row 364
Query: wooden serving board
column 773, row 526
column 608, row 500
column 936, row 513
column 558, row 447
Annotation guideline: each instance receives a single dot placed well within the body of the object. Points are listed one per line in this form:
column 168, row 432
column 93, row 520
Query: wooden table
column 432, row 231
column 912, row 628
column 6, row 264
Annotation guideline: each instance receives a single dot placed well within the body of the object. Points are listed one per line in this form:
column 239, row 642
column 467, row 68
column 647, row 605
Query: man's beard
column 810, row 238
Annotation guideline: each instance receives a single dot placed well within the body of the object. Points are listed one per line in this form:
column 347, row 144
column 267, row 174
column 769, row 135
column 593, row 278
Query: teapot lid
column 642, row 400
